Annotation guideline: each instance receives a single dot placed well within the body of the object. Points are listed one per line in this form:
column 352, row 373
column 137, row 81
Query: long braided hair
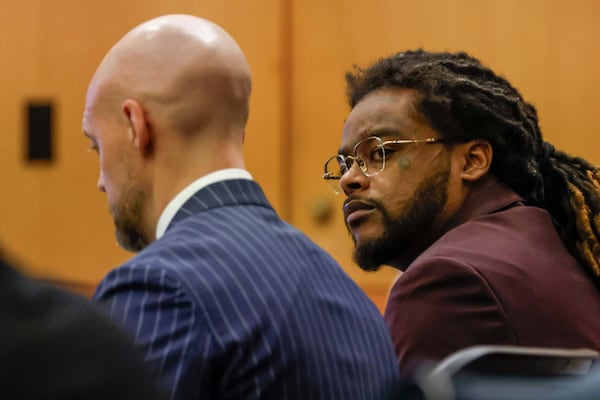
column 464, row 100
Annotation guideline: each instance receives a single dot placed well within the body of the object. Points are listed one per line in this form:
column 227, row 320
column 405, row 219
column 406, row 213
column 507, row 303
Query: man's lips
column 355, row 209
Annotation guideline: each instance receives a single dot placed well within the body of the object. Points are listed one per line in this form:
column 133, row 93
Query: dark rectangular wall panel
column 39, row 131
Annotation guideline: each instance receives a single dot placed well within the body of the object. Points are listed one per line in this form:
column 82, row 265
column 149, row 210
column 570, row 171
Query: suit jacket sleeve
column 156, row 310
column 439, row 306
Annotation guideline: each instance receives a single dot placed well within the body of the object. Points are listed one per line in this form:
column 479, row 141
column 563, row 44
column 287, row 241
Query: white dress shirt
column 183, row 196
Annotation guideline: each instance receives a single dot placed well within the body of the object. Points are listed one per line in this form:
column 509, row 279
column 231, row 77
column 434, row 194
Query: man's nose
column 100, row 183
column 353, row 179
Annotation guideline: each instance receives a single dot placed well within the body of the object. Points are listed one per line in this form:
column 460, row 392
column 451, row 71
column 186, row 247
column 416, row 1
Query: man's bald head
column 168, row 104
column 186, row 72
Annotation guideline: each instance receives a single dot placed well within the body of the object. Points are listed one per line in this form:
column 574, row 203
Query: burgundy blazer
column 499, row 275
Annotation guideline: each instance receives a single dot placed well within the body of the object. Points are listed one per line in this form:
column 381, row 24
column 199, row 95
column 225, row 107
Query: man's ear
column 477, row 159
column 139, row 128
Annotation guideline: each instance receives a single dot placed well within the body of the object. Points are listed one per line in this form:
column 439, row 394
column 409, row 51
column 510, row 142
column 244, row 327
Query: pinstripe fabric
column 233, row 303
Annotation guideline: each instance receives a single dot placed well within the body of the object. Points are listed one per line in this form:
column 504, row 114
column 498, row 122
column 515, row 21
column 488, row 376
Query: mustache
column 369, row 201
column 353, row 203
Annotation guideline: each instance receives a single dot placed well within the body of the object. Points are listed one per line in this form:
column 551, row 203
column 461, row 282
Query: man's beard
column 417, row 217
column 127, row 216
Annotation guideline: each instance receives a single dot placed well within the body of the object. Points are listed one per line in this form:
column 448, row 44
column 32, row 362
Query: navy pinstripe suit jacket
column 234, row 303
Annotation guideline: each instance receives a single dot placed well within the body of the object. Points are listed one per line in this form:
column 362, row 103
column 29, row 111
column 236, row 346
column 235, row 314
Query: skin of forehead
column 383, row 116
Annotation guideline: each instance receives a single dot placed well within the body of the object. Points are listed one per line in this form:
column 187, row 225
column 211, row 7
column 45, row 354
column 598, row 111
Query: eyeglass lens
column 369, row 154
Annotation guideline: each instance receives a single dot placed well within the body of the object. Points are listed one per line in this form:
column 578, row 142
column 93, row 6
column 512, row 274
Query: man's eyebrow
column 388, row 132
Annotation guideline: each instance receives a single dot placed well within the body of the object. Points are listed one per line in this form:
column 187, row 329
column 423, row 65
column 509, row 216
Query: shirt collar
column 178, row 201
column 487, row 198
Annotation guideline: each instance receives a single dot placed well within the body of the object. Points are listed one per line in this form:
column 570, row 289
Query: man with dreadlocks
column 448, row 179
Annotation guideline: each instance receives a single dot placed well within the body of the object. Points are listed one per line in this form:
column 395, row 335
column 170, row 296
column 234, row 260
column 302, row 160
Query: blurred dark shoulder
column 58, row 345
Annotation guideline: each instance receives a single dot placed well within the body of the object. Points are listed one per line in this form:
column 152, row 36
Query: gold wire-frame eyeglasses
column 369, row 154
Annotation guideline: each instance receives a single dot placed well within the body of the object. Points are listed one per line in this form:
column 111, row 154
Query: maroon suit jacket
column 499, row 275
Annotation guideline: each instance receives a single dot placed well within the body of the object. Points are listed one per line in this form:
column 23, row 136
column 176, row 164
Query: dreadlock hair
column 464, row 100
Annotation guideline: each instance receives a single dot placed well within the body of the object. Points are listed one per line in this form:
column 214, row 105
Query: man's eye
column 389, row 151
column 377, row 154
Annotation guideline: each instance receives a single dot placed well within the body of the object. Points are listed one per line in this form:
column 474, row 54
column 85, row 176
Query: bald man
column 225, row 299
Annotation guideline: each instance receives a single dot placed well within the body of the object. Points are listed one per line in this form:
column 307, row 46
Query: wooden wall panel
column 549, row 49
column 54, row 220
